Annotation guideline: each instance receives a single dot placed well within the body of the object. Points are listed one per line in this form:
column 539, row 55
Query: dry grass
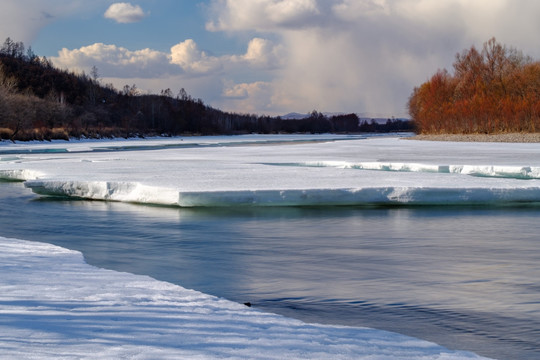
column 502, row 137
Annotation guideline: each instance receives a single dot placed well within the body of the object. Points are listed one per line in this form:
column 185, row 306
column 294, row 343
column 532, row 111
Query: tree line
column 492, row 90
column 41, row 102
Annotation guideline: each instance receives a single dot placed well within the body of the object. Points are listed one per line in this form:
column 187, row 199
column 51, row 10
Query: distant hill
column 379, row 119
column 361, row 117
column 294, row 116
column 39, row 101
column 297, row 116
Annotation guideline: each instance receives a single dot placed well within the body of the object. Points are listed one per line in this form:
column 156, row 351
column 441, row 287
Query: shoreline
column 504, row 137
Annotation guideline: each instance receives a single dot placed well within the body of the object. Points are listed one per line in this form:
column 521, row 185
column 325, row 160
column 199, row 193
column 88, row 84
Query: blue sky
column 164, row 23
column 270, row 56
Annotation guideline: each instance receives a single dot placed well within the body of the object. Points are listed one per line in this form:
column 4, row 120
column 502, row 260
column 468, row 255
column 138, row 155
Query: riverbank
column 504, row 137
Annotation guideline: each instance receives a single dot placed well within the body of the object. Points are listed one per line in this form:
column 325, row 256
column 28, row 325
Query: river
column 464, row 277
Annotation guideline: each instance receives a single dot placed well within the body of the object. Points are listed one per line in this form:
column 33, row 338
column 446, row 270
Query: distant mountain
column 294, row 116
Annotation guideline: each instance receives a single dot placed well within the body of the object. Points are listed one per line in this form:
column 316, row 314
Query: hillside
column 41, row 102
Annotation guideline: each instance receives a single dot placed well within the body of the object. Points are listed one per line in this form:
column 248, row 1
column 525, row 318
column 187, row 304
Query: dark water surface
column 465, row 277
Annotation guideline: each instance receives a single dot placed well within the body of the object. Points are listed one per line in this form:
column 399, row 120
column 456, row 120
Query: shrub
column 491, row 91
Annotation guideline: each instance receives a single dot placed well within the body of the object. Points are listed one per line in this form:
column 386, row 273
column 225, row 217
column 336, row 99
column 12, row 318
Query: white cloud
column 262, row 14
column 116, row 61
column 236, row 91
column 291, row 11
column 258, row 50
column 188, row 56
column 351, row 9
column 262, row 53
column 119, row 62
column 255, row 97
column 125, row 13
column 184, row 58
column 244, row 90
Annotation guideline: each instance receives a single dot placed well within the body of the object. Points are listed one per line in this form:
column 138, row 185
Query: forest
column 41, row 102
column 492, row 90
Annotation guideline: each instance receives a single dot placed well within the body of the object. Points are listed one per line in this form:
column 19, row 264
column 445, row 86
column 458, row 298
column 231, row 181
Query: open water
column 465, row 277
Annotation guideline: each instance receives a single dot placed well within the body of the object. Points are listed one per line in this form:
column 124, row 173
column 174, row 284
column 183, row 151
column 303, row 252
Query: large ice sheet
column 281, row 171
column 54, row 306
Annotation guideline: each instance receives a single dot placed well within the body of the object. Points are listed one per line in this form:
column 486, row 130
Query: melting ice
column 281, row 171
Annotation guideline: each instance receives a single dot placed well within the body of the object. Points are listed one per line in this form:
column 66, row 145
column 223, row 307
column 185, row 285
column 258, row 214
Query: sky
column 270, row 56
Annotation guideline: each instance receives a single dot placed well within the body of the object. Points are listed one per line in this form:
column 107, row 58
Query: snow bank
column 54, row 306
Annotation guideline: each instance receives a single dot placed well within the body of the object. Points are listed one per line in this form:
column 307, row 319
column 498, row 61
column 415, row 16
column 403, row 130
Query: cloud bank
column 112, row 59
column 184, row 58
column 367, row 55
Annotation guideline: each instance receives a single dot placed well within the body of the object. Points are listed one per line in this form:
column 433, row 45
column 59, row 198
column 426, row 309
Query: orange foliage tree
column 493, row 90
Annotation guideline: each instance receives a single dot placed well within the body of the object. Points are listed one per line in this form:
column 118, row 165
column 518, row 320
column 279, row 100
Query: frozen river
column 464, row 276
column 400, row 269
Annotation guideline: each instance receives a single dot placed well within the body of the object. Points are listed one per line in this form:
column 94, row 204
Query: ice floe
column 282, row 171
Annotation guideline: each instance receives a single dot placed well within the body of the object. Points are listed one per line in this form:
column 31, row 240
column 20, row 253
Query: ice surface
column 291, row 170
column 19, row 175
column 54, row 306
column 515, row 172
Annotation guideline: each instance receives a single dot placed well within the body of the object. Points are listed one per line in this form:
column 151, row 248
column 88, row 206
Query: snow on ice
column 278, row 171
column 54, row 306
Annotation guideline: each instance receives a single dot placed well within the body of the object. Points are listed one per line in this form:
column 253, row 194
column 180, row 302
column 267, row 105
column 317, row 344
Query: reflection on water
column 464, row 277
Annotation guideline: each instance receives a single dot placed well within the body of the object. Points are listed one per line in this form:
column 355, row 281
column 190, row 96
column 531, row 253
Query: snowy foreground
column 53, row 305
